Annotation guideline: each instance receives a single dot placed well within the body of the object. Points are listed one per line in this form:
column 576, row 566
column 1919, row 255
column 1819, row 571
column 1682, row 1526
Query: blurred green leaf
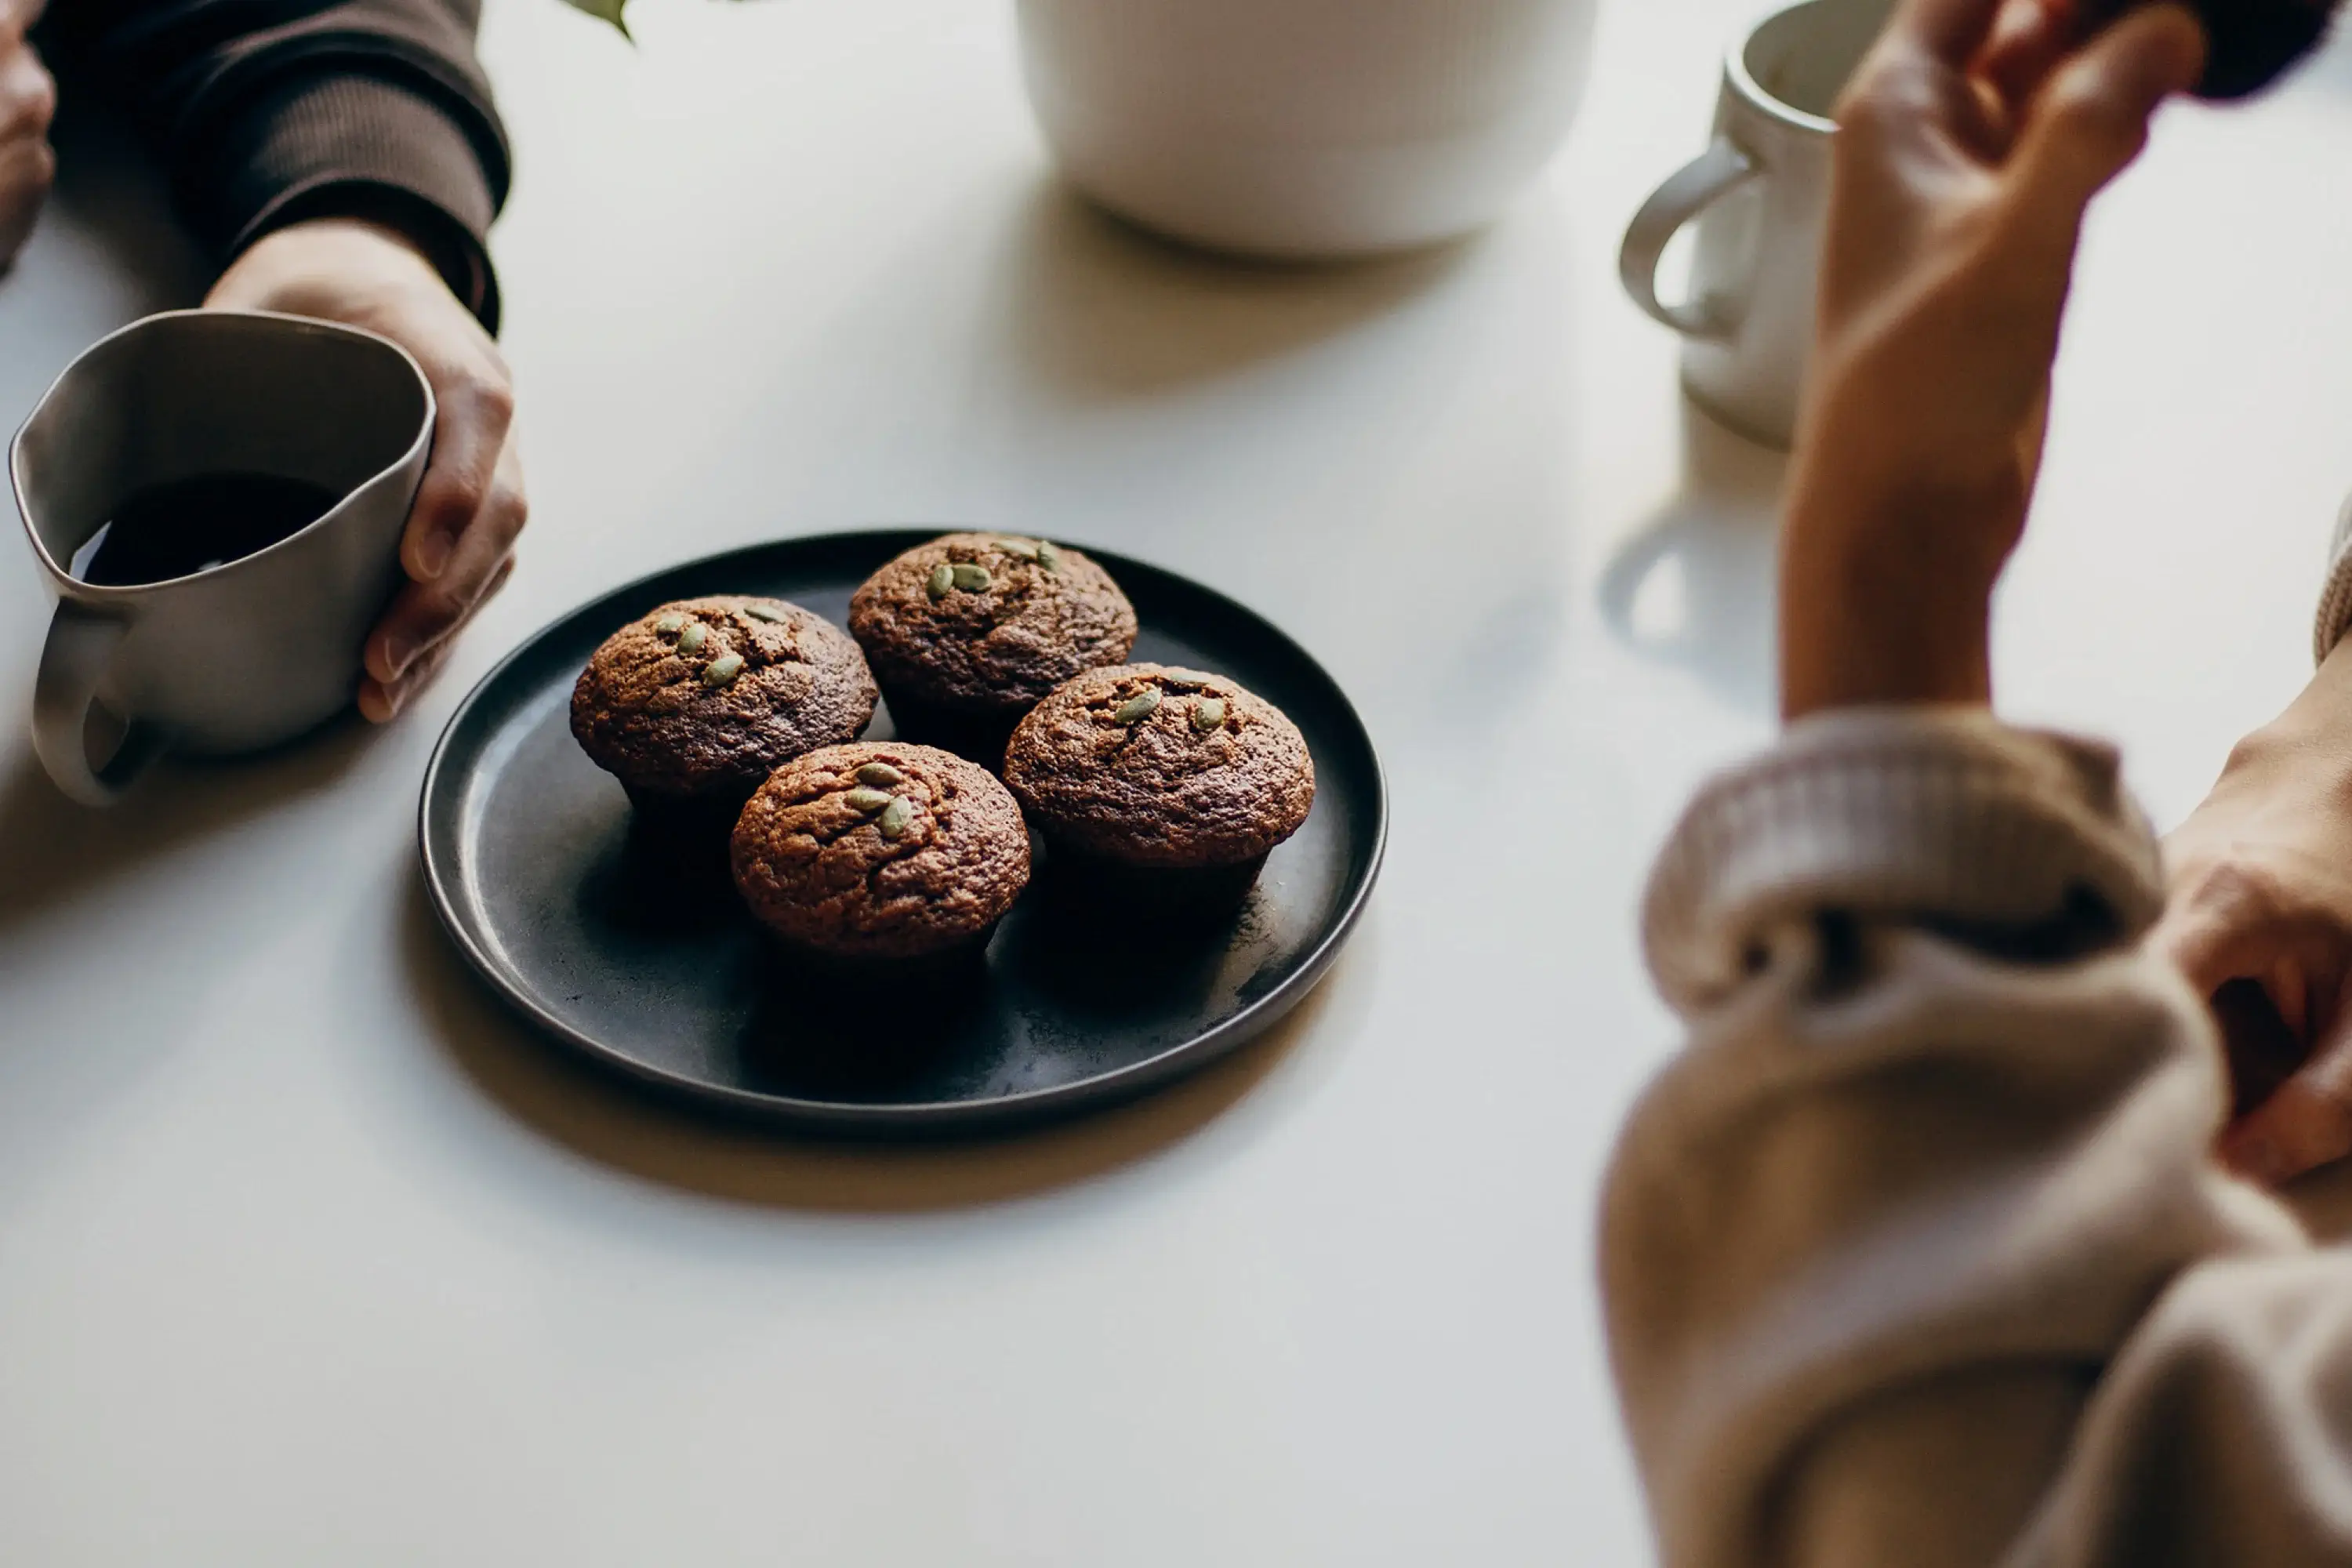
column 604, row 11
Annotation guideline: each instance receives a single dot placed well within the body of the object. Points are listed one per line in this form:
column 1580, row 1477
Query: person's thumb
column 2307, row 1124
column 17, row 17
column 2090, row 118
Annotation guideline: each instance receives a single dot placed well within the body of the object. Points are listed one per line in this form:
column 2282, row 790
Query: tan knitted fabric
column 1916, row 1257
column 2336, row 599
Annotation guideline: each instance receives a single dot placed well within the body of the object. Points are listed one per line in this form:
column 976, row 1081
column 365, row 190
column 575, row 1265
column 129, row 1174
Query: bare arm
column 1917, row 1254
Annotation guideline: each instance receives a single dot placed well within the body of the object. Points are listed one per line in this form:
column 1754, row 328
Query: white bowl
column 1306, row 128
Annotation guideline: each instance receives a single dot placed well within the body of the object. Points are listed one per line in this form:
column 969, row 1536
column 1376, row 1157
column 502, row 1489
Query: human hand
column 29, row 101
column 2259, row 918
column 1969, row 145
column 459, row 546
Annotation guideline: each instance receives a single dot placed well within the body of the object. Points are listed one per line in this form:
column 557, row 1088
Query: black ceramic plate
column 527, row 850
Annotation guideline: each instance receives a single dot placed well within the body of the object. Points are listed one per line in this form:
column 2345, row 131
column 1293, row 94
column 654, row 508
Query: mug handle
column 1697, row 186
column 81, row 644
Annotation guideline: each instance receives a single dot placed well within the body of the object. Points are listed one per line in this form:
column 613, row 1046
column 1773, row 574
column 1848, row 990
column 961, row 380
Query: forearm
column 372, row 108
column 1877, row 621
column 1936, row 1147
column 1887, row 573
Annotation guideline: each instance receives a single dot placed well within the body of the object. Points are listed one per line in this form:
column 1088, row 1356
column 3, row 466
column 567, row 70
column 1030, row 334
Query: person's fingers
column 1952, row 31
column 2254, row 942
column 2264, row 1045
column 2028, row 41
column 380, row 702
column 470, row 432
column 2228, row 935
column 2090, row 118
column 2242, row 919
column 27, row 171
column 2212, row 943
column 18, row 17
column 29, row 166
column 29, row 95
column 2307, row 1123
column 423, row 614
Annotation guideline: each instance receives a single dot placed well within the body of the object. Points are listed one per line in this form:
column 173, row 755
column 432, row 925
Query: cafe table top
column 310, row 1253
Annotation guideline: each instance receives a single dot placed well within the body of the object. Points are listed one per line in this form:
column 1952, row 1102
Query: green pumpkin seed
column 971, row 577
column 1137, row 708
column 942, row 578
column 670, row 625
column 1021, row 549
column 691, row 639
column 896, row 816
column 768, row 613
column 1209, row 714
column 869, row 801
column 723, row 671
column 881, row 775
column 1048, row 556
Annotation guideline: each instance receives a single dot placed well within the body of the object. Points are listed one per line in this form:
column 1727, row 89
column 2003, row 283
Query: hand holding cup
column 459, row 546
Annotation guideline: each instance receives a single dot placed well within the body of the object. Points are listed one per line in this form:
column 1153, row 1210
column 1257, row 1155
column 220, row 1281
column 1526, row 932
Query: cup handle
column 81, row 644
column 1697, row 186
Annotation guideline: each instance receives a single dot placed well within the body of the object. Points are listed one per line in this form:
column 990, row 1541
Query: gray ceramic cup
column 251, row 653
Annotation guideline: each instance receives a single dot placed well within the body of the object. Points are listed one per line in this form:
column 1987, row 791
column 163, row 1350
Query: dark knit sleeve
column 266, row 112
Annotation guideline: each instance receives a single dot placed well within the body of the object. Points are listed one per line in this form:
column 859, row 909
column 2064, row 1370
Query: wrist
column 415, row 224
column 300, row 241
column 1888, row 603
column 315, row 267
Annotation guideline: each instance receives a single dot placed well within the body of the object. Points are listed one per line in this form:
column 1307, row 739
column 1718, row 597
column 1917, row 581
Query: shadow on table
column 1693, row 585
column 1101, row 309
column 592, row 1113
column 52, row 850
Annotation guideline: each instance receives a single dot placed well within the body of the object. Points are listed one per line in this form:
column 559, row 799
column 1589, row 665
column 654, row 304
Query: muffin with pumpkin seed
column 969, row 631
column 1159, row 789
column 882, row 858
column 693, row 704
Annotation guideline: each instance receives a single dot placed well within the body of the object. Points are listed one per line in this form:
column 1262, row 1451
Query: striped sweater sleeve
column 1916, row 1253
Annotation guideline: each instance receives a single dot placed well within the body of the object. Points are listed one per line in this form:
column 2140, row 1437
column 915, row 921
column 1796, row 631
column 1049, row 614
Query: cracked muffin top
column 881, row 850
column 1151, row 765
column 705, row 697
column 988, row 622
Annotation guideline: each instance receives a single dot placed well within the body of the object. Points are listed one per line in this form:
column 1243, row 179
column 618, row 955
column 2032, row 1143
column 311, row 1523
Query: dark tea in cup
column 185, row 526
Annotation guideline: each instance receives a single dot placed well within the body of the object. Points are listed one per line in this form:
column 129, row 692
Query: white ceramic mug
column 1757, row 196
column 245, row 653
column 1306, row 128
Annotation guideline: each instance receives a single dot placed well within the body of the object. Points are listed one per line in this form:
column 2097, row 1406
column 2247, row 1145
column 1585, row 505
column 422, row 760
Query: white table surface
column 309, row 1255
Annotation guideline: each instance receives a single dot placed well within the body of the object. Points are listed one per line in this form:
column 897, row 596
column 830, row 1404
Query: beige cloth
column 1918, row 1255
